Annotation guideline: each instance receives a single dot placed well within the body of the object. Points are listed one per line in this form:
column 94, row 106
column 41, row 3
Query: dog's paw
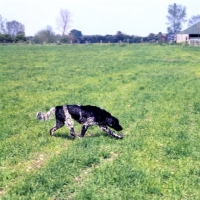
column 76, row 136
column 120, row 136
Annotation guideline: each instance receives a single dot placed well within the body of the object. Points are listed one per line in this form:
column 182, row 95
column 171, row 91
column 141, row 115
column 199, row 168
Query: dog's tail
column 45, row 116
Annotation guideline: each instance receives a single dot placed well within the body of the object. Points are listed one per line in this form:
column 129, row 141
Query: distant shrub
column 64, row 39
column 6, row 38
column 37, row 40
column 20, row 38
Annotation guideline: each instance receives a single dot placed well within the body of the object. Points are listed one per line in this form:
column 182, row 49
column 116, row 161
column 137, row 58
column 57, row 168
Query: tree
column 119, row 36
column 75, row 33
column 47, row 35
column 2, row 25
column 14, row 28
column 176, row 16
column 50, row 29
column 63, row 21
column 193, row 20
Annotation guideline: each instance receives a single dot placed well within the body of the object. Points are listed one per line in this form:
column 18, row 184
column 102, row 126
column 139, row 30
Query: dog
column 86, row 115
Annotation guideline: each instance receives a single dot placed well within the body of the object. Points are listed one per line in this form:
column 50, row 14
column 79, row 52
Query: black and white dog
column 86, row 115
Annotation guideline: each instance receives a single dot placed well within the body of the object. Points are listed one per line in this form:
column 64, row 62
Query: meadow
column 152, row 89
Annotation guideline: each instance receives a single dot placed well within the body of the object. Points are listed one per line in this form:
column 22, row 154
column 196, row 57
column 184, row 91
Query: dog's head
column 114, row 123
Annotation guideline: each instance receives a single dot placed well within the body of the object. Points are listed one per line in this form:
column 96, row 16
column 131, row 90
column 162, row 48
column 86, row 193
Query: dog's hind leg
column 83, row 130
column 111, row 133
column 58, row 125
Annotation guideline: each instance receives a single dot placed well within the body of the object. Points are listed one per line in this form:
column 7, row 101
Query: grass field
column 153, row 90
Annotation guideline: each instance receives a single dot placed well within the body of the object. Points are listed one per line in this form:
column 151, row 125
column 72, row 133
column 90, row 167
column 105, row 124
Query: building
column 190, row 35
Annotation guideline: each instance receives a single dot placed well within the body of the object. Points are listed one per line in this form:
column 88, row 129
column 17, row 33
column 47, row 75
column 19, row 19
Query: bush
column 37, row 40
column 64, row 39
column 6, row 38
column 20, row 38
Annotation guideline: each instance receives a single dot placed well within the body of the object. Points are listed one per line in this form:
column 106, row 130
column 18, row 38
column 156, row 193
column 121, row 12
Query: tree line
column 13, row 31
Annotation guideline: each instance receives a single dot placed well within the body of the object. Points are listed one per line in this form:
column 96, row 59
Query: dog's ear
column 110, row 121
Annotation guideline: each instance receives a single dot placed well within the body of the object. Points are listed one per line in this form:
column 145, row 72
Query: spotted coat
column 86, row 115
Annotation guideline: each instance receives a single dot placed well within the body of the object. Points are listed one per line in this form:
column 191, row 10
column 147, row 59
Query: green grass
column 154, row 92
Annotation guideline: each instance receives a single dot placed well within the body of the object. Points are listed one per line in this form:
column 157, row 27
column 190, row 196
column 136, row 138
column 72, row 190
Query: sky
column 96, row 17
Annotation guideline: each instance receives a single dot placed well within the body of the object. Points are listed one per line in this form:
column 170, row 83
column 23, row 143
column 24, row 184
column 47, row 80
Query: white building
column 190, row 35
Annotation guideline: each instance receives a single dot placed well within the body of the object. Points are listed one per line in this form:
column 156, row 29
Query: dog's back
column 82, row 113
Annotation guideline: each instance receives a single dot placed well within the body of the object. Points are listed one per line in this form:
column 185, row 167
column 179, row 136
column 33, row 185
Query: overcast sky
column 91, row 17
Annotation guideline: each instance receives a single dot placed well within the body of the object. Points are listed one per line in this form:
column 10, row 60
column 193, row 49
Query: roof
column 195, row 29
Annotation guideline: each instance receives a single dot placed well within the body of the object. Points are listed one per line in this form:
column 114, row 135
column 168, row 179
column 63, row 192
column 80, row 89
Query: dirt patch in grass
column 1, row 193
column 85, row 172
column 37, row 162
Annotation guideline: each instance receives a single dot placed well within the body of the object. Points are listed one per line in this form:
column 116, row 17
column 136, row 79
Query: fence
column 194, row 42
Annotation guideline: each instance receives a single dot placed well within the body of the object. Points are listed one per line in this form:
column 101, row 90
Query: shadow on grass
column 69, row 137
column 64, row 136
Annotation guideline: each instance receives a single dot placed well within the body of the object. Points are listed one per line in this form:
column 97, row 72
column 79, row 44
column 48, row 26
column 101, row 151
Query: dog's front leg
column 72, row 132
column 83, row 130
column 70, row 124
column 111, row 133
